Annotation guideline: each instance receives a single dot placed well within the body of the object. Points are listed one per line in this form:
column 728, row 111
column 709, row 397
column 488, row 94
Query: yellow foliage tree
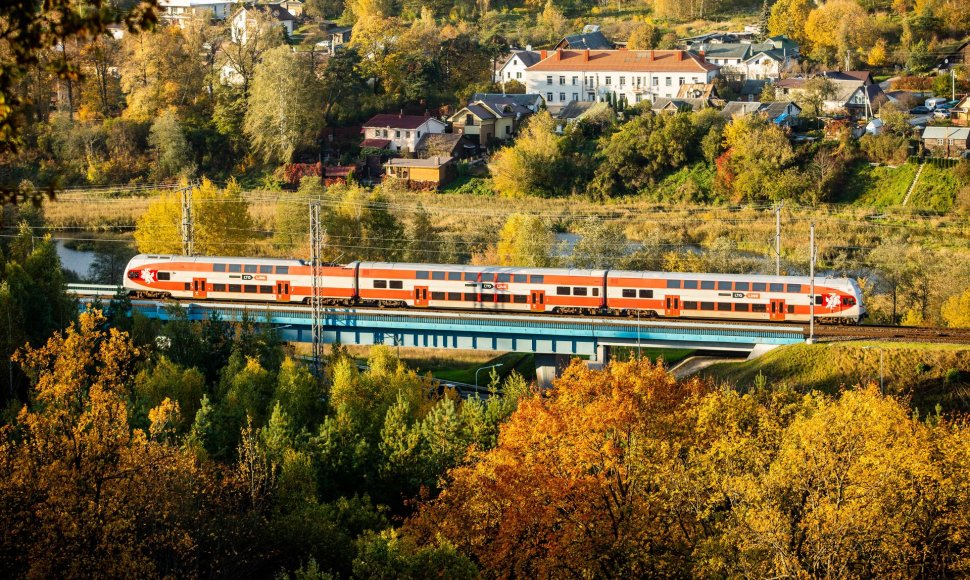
column 222, row 225
column 528, row 167
column 788, row 17
column 878, row 56
column 836, row 28
column 956, row 310
column 84, row 494
column 525, row 241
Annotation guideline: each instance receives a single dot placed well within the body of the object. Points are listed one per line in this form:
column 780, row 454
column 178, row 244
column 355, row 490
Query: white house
column 399, row 133
column 247, row 17
column 514, row 67
column 181, row 11
column 563, row 76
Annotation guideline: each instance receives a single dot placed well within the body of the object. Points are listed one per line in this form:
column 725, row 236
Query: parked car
column 942, row 113
column 920, row 110
column 934, row 103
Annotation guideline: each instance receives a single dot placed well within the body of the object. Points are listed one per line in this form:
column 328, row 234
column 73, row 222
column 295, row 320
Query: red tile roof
column 375, row 143
column 392, row 121
column 623, row 61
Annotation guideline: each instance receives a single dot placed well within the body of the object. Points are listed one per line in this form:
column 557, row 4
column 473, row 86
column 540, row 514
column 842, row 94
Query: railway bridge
column 552, row 338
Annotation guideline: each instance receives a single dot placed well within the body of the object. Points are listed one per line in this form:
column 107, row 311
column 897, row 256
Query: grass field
column 936, row 189
column 925, row 374
column 878, row 187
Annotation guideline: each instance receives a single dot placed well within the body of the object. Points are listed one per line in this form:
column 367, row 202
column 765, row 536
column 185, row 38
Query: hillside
column 928, row 374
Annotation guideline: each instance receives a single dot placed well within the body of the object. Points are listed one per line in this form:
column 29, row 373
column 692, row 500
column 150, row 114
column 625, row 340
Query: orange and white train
column 498, row 288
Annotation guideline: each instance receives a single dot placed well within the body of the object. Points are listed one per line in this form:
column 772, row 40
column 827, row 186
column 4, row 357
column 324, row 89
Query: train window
column 396, row 284
column 471, row 276
column 791, row 309
column 503, row 278
column 520, row 298
column 596, row 291
column 264, row 269
column 646, row 293
column 235, row 268
column 740, row 307
column 723, row 285
column 488, row 298
column 689, row 305
column 437, row 275
column 437, row 295
column 189, row 286
column 848, row 301
column 421, row 275
column 235, row 288
column 741, row 286
column 249, row 268
column 758, row 286
column 265, row 289
column 690, row 284
column 218, row 267
column 724, row 306
column 759, row 308
column 470, row 297
column 580, row 291
column 454, row 276
column 454, row 296
column 215, row 287
column 519, row 278
column 673, row 283
column 162, row 276
column 707, row 306
column 629, row 293
column 488, row 277
column 250, row 288
column 707, row 284
column 777, row 287
column 504, row 297
column 562, row 290
column 537, row 279
column 795, row 288
column 282, row 269
column 818, row 299
column 380, row 283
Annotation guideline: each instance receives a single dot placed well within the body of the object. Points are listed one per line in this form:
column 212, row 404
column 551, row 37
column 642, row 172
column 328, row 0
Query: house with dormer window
column 493, row 117
column 399, row 133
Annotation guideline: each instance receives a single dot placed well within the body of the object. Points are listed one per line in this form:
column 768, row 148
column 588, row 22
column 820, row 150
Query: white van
column 934, row 102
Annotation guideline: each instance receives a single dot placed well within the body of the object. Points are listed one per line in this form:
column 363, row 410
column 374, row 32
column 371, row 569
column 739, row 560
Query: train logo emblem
column 148, row 276
column 832, row 301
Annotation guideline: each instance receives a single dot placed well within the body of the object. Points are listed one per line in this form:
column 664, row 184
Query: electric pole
column 778, row 238
column 187, row 241
column 811, row 282
column 316, row 247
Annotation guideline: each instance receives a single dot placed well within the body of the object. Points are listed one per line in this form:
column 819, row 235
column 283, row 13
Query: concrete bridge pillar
column 548, row 367
column 603, row 356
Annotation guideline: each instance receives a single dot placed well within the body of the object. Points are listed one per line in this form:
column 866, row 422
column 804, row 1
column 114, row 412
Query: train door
column 537, row 300
column 198, row 288
column 777, row 309
column 282, row 291
column 672, row 306
column 420, row 295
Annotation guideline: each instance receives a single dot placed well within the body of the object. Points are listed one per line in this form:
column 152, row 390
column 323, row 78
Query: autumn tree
column 837, row 29
column 528, row 167
column 173, row 155
column 644, row 36
column 757, row 157
column 525, row 241
column 956, row 310
column 222, row 225
column 602, row 244
column 283, row 111
column 788, row 17
column 159, row 71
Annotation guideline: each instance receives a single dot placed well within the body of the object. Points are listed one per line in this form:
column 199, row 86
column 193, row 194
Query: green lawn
column 670, row 356
column 879, row 187
column 524, row 364
column 925, row 374
column 935, row 190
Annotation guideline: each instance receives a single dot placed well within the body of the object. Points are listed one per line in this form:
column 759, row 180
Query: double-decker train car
column 493, row 288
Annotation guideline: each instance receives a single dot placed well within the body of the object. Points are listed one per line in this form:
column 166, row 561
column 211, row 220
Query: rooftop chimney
column 651, row 54
column 542, row 55
column 558, row 54
column 528, row 47
column 680, row 55
column 586, row 55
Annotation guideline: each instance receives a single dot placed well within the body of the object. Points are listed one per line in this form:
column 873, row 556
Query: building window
column 639, row 97
column 549, row 97
column 656, row 81
column 407, row 134
column 508, row 129
column 549, row 79
column 419, row 134
column 397, row 134
column 590, row 97
column 562, row 97
column 508, row 75
column 518, row 75
column 622, row 81
column 608, row 81
column 575, row 81
column 669, row 81
column 469, row 120
column 562, row 79
column 680, row 81
column 575, row 96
